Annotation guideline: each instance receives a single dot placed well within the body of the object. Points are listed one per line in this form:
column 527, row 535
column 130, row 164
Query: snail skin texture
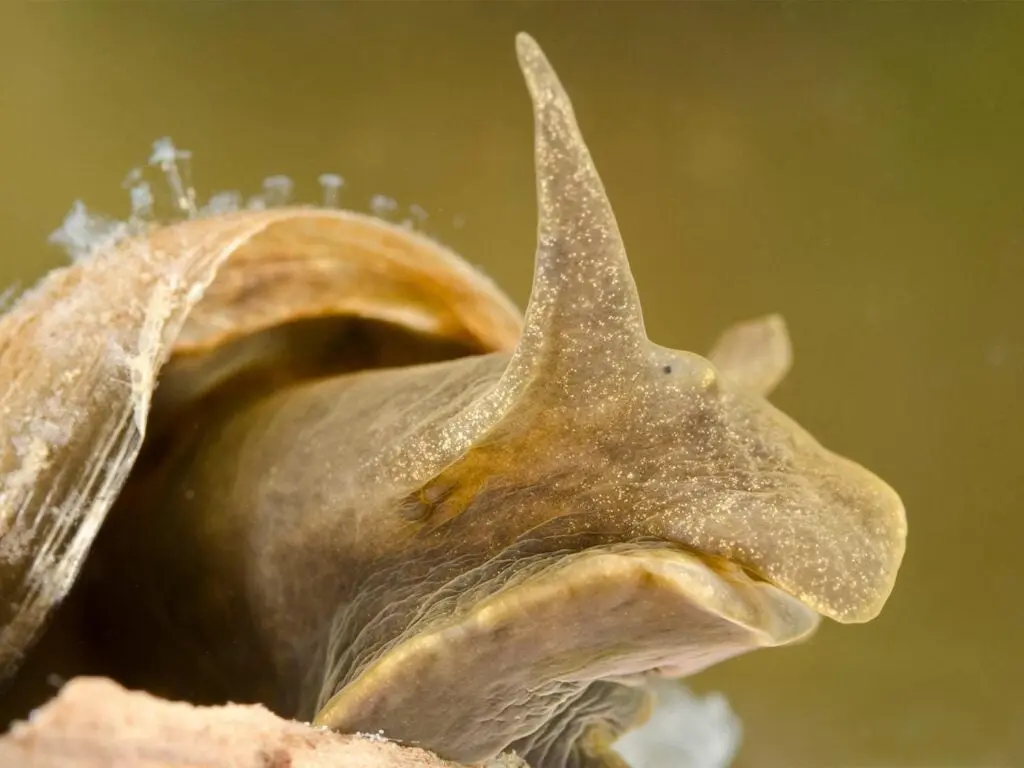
column 368, row 493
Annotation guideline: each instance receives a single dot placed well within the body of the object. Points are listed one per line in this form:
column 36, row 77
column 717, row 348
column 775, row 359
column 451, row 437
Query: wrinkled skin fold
column 494, row 551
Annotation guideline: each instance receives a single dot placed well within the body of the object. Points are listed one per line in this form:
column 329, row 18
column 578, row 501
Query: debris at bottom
column 95, row 723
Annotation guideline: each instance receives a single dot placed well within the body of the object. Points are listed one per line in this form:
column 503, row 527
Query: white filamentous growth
column 177, row 167
column 382, row 205
column 141, row 201
column 418, row 213
column 150, row 193
column 331, row 183
column 82, row 232
column 684, row 731
column 378, row 737
column 140, row 195
column 221, row 203
column 277, row 191
column 256, row 203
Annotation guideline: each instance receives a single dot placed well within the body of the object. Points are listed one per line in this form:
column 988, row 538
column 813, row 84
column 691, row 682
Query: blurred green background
column 857, row 167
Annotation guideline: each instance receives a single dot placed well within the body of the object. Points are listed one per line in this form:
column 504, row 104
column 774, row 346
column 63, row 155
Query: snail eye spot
column 666, row 369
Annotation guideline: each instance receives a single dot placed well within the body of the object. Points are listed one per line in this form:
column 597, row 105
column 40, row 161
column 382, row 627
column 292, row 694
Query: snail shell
column 370, row 493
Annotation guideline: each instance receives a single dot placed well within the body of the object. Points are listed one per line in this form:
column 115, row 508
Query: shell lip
column 611, row 612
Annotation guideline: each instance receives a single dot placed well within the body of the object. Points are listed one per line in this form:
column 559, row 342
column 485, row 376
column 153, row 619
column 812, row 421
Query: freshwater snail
column 368, row 493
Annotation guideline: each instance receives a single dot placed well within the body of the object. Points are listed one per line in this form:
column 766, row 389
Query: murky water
column 858, row 168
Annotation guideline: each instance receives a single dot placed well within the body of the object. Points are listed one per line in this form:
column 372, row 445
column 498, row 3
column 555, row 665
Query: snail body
column 368, row 493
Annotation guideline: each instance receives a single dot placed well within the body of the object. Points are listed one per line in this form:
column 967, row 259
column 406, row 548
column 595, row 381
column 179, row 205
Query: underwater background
column 858, row 168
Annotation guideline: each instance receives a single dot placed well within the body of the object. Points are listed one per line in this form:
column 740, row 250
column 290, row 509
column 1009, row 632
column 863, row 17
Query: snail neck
column 248, row 531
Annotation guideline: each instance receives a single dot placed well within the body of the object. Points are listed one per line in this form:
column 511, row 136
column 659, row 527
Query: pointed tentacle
column 584, row 304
